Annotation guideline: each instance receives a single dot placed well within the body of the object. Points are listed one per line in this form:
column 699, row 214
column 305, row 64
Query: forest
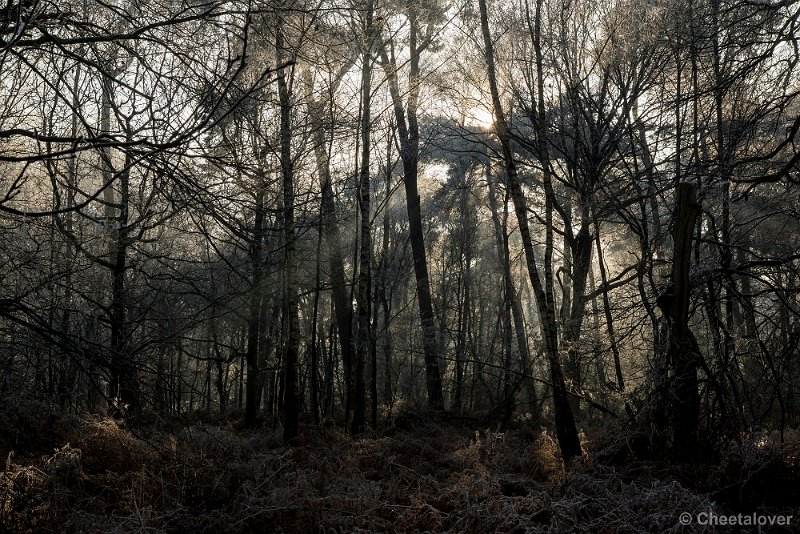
column 400, row 265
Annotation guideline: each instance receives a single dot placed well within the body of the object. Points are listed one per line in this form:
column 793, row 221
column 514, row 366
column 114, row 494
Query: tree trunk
column 612, row 337
column 510, row 299
column 365, row 247
column 409, row 146
column 291, row 401
column 581, row 253
column 385, row 305
column 682, row 354
column 314, row 363
column 343, row 309
column 373, row 355
column 122, row 374
column 252, row 389
column 566, row 430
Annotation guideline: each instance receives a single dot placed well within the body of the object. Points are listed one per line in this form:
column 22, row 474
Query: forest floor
column 68, row 473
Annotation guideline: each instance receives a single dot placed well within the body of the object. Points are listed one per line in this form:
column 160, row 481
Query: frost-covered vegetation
column 92, row 474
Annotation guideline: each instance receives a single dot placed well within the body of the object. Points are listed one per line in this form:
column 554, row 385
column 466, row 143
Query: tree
column 364, row 297
column 565, row 423
column 408, row 134
column 105, row 161
column 683, row 352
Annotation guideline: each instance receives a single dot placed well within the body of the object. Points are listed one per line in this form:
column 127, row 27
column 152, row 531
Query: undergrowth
column 67, row 473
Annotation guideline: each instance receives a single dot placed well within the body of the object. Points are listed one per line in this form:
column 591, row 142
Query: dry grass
column 94, row 476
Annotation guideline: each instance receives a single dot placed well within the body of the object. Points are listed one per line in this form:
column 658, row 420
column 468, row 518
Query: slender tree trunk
column 122, row 389
column 220, row 381
column 373, row 352
column 501, row 239
column 724, row 171
column 252, row 390
column 343, row 309
column 510, row 299
column 382, row 286
column 127, row 388
column 507, row 400
column 460, row 341
column 566, row 430
column 409, row 145
column 748, row 307
column 159, row 392
column 462, row 303
column 612, row 337
column 176, row 379
column 207, row 385
column 386, row 308
column 314, row 321
column 330, row 371
column 291, row 399
column 365, row 248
